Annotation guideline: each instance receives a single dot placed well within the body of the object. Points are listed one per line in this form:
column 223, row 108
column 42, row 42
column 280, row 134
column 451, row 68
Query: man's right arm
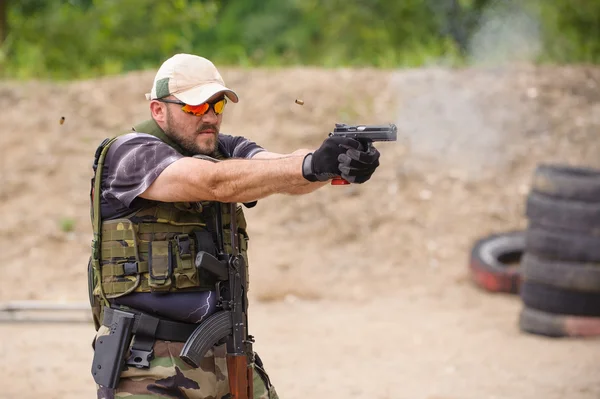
column 246, row 180
column 232, row 180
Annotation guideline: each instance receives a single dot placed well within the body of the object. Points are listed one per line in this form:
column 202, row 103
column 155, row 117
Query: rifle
column 231, row 322
column 366, row 134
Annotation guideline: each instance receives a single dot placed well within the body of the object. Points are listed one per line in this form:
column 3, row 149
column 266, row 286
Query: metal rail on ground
column 36, row 311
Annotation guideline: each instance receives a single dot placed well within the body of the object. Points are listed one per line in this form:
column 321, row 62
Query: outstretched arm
column 232, row 180
column 296, row 190
column 246, row 180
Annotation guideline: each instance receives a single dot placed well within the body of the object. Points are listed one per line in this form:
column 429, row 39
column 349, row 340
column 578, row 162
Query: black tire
column 572, row 215
column 567, row 182
column 567, row 275
column 551, row 325
column 559, row 301
column 562, row 244
column 494, row 261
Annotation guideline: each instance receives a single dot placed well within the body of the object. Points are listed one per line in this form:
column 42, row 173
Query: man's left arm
column 309, row 187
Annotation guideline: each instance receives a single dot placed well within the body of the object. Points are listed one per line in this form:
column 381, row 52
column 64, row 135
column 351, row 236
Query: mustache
column 206, row 126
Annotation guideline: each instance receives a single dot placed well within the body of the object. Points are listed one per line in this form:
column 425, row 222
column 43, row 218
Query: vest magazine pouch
column 160, row 265
column 120, row 260
column 240, row 220
column 185, row 273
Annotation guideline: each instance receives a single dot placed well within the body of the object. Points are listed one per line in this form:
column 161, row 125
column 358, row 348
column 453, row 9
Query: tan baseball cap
column 190, row 78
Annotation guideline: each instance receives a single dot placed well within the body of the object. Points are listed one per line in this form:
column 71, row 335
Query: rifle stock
column 240, row 377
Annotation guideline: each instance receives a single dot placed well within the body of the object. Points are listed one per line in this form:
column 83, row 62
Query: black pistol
column 366, row 134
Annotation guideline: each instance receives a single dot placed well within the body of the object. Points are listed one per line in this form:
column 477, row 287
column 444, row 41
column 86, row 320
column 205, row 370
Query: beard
column 187, row 143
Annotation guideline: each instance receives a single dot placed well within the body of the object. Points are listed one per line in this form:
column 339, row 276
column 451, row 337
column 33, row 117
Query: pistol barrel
column 367, row 132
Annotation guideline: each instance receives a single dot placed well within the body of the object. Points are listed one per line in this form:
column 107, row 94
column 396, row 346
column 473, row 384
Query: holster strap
column 165, row 330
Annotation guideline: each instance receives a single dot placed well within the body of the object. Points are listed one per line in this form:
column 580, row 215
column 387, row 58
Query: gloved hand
column 323, row 164
column 357, row 165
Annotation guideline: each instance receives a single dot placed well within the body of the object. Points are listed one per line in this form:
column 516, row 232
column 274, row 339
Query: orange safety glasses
column 201, row 109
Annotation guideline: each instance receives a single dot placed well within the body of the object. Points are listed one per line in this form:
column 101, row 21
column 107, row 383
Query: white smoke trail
column 444, row 114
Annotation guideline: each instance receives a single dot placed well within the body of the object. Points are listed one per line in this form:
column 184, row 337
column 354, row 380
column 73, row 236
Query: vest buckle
column 183, row 245
column 130, row 268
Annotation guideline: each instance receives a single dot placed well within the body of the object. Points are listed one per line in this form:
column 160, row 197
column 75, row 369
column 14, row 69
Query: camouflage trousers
column 170, row 377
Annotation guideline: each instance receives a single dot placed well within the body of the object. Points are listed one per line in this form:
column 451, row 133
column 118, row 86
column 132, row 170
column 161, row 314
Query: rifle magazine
column 205, row 336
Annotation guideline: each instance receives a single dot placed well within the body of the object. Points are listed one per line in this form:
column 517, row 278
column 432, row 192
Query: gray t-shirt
column 132, row 164
column 135, row 160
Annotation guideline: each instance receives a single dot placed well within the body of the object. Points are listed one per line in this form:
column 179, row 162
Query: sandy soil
column 358, row 291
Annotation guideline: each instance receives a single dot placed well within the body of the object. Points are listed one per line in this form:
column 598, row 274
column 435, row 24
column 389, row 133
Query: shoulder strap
column 99, row 158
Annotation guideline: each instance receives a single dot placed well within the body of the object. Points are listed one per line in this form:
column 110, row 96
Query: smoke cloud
column 458, row 118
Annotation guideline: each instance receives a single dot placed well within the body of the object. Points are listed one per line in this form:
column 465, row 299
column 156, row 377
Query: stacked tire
column 559, row 280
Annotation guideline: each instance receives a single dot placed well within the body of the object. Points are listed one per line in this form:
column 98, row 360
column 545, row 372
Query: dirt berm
column 357, row 291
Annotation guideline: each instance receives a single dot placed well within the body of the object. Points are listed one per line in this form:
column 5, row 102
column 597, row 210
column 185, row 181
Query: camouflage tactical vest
column 153, row 249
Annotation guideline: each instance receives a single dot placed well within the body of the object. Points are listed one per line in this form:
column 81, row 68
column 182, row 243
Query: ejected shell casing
column 299, row 102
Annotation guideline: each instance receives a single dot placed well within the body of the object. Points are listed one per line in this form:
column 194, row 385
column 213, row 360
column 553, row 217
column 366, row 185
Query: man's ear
column 158, row 111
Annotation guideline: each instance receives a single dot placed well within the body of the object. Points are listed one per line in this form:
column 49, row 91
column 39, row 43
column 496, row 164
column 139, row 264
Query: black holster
column 111, row 350
column 131, row 341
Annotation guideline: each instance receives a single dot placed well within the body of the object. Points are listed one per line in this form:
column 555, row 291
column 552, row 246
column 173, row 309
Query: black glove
column 323, row 164
column 357, row 165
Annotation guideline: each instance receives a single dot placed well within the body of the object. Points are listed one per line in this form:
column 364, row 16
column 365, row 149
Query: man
column 155, row 197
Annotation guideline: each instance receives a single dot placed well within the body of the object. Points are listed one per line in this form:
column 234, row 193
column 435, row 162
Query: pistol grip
column 338, row 181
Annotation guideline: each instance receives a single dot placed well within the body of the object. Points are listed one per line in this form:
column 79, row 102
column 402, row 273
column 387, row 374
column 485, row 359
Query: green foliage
column 67, row 224
column 572, row 31
column 67, row 39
